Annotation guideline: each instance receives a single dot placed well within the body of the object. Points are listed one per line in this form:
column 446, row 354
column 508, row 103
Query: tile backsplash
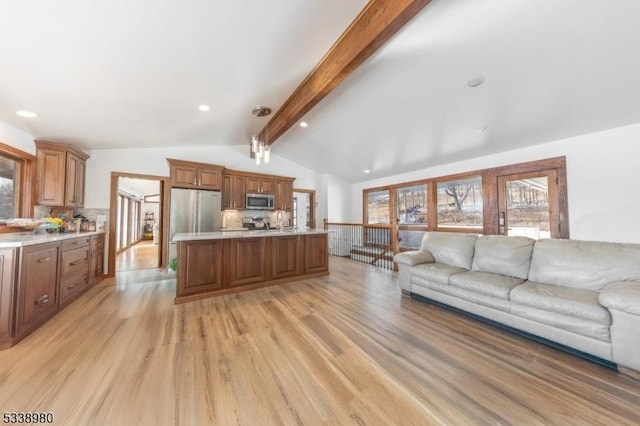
column 233, row 219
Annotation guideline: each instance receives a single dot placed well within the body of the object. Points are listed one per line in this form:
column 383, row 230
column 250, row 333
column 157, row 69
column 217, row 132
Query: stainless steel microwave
column 259, row 201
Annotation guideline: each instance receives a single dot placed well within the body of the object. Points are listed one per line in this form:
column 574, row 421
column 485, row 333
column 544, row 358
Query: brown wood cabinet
column 316, row 253
column 37, row 281
column 200, row 266
column 192, row 175
column 233, row 192
column 96, row 262
column 244, row 260
column 260, row 184
column 248, row 262
column 38, row 286
column 287, row 256
column 7, row 294
column 236, row 184
column 74, row 268
column 284, row 195
column 61, row 170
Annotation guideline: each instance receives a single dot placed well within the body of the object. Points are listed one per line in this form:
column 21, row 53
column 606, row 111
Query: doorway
column 528, row 204
column 137, row 222
column 304, row 208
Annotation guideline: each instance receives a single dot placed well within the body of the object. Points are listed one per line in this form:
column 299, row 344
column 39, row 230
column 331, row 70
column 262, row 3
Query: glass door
column 528, row 204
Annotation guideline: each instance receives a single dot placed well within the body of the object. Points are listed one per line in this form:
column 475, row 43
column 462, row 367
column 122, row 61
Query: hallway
column 142, row 255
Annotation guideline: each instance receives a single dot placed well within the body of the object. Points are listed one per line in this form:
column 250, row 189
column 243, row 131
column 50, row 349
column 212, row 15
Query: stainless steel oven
column 259, row 201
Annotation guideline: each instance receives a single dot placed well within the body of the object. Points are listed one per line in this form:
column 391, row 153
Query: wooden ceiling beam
column 375, row 25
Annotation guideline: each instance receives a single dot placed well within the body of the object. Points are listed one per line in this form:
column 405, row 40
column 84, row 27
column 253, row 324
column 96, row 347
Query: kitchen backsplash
column 233, row 219
column 40, row 212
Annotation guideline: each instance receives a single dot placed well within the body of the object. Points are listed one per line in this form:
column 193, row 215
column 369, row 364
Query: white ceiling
column 132, row 73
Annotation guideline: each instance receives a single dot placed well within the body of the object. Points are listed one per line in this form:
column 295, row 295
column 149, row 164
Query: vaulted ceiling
column 121, row 74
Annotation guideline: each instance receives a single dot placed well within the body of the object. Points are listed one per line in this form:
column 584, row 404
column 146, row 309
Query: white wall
column 152, row 161
column 603, row 169
column 338, row 200
column 17, row 138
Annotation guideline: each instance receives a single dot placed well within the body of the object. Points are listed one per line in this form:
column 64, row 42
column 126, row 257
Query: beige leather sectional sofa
column 584, row 295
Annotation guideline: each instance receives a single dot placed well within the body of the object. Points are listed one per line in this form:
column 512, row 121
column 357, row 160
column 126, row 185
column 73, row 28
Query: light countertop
column 21, row 239
column 191, row 236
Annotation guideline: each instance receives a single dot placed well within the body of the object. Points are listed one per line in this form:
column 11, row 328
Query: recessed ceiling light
column 303, row 124
column 27, row 114
column 204, row 108
column 367, row 171
column 475, row 82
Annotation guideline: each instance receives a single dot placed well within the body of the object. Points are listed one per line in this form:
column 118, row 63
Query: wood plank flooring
column 337, row 350
column 142, row 255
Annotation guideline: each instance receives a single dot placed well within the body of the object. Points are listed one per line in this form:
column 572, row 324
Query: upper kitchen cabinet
column 188, row 174
column 260, row 184
column 60, row 174
column 284, row 195
column 233, row 191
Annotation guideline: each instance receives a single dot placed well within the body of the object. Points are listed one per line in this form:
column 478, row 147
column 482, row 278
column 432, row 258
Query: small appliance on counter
column 256, row 223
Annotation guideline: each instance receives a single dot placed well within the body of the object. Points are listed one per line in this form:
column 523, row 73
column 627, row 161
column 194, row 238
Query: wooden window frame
column 27, row 178
column 490, row 206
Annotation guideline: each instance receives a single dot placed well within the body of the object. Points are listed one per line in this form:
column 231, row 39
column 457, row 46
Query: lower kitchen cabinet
column 96, row 261
column 287, row 256
column 248, row 262
column 199, row 266
column 7, row 293
column 38, row 286
column 316, row 253
column 38, row 280
column 244, row 261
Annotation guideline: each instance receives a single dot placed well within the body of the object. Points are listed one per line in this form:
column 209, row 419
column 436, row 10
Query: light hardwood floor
column 142, row 255
column 341, row 349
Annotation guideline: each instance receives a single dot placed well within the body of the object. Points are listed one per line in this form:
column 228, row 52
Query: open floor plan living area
column 360, row 212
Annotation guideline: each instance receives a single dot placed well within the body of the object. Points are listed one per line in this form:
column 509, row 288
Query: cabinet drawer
column 73, row 261
column 75, row 243
column 72, row 285
column 97, row 242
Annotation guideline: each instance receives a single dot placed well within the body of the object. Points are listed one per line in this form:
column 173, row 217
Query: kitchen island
column 215, row 263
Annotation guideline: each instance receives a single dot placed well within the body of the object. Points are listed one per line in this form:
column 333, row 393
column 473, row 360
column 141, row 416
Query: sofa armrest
column 412, row 258
column 621, row 295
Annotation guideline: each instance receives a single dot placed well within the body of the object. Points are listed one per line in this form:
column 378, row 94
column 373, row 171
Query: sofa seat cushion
column 572, row 302
column 478, row 298
column 435, row 272
column 565, row 322
column 486, row 283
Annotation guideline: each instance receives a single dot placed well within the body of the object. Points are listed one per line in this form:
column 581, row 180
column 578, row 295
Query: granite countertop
column 21, row 239
column 191, row 236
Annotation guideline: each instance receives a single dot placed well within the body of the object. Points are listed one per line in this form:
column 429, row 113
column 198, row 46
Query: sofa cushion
column 584, row 264
column 455, row 249
column 622, row 296
column 485, row 283
column 510, row 256
column 479, row 298
column 435, row 272
column 565, row 322
column 573, row 302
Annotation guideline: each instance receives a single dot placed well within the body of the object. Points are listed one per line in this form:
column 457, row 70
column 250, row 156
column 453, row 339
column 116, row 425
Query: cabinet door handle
column 78, row 262
column 72, row 286
column 42, row 300
column 44, row 259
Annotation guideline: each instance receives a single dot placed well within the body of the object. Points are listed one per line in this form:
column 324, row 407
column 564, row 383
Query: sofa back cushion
column 584, row 264
column 499, row 254
column 455, row 249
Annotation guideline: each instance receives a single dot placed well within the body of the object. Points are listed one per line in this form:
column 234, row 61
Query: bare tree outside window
column 460, row 203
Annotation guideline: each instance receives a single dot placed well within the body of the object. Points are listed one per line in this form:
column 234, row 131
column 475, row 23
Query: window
column 16, row 182
column 378, row 207
column 9, row 187
column 412, row 205
column 460, row 203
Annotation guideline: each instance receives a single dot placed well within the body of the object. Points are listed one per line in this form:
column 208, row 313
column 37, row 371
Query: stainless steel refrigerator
column 193, row 210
